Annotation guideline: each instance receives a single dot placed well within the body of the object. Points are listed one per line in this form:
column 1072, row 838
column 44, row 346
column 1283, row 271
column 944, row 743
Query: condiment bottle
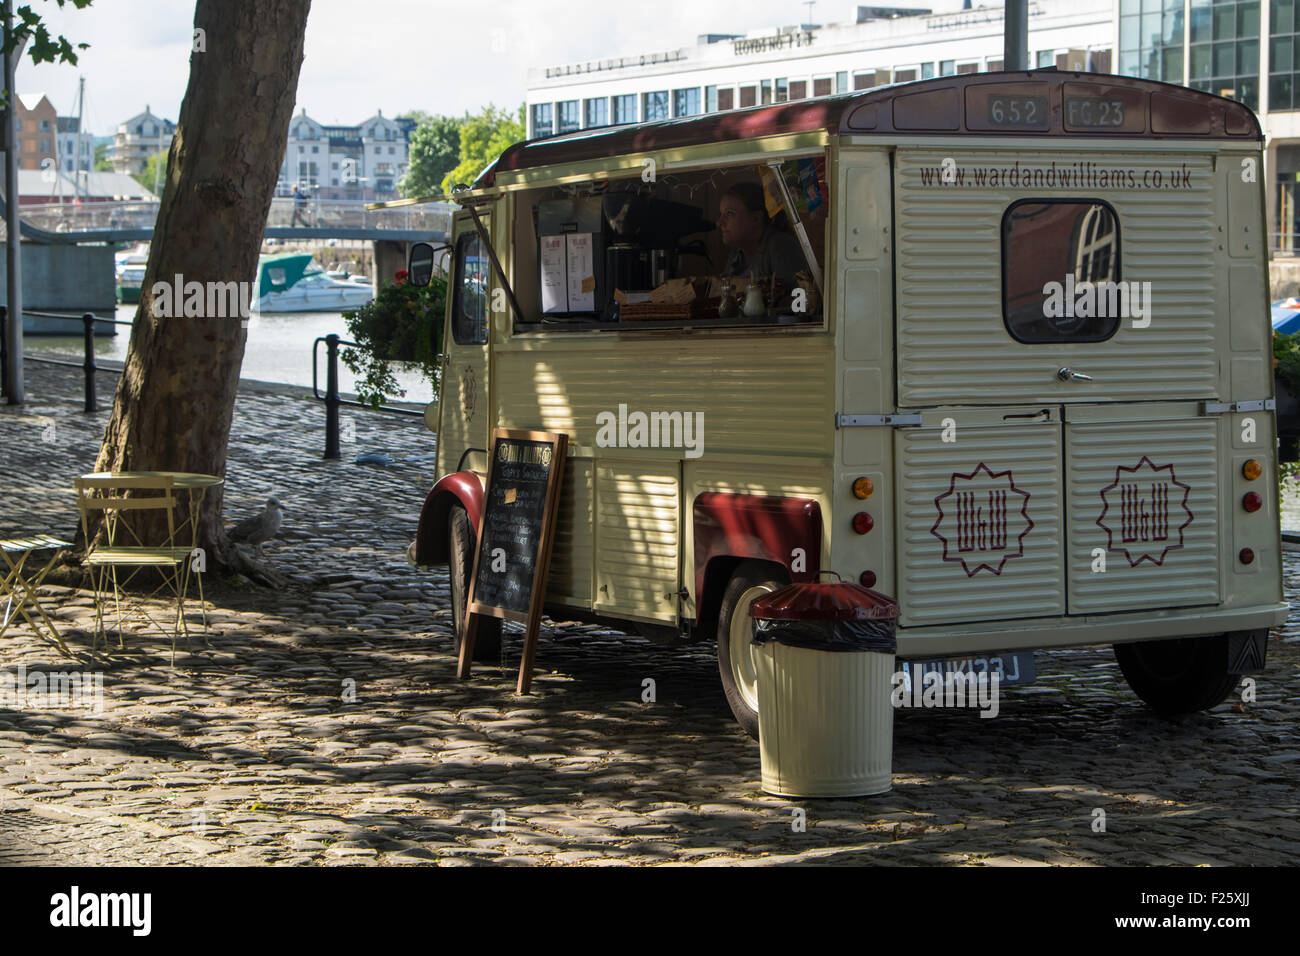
column 727, row 305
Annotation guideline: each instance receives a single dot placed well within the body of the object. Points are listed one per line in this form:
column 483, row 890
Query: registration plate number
column 1017, row 669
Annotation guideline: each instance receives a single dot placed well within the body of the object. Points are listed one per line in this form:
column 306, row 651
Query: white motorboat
column 129, row 267
column 295, row 282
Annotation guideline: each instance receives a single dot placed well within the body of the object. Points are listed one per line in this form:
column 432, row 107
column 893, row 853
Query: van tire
column 1179, row 676
column 749, row 581
column 461, row 542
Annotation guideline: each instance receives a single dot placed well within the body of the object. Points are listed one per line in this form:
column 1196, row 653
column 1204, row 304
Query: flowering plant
column 402, row 324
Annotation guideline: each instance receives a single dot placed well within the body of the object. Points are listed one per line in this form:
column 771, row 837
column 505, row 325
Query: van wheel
column 461, row 541
column 737, row 662
column 1179, row 676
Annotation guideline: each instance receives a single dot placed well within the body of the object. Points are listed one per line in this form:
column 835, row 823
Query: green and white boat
column 295, row 282
column 130, row 267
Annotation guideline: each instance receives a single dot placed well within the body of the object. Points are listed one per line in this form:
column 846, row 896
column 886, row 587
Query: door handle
column 1040, row 416
column 1070, row 375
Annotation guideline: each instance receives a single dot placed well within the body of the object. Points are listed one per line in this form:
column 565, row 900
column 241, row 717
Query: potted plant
column 402, row 325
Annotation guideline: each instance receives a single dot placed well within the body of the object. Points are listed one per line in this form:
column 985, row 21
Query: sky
column 391, row 55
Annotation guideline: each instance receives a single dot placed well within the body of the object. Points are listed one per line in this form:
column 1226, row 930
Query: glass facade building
column 1246, row 50
column 1283, row 62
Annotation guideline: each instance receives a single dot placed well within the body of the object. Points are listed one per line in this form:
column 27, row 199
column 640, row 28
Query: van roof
column 927, row 107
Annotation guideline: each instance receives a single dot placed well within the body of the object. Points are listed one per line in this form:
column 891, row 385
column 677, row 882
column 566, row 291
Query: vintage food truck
column 1023, row 381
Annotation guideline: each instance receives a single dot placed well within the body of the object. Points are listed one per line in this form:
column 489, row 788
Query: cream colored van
column 996, row 345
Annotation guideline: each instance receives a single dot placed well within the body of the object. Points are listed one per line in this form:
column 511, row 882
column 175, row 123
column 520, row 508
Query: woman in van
column 759, row 247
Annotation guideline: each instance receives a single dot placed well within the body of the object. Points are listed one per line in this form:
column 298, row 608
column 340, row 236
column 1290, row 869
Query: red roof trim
column 936, row 112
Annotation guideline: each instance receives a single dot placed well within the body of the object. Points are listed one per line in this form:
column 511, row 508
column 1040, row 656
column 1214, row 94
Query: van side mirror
column 420, row 264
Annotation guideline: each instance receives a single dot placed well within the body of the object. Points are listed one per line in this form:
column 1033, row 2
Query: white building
column 76, row 148
column 345, row 162
column 882, row 45
column 139, row 138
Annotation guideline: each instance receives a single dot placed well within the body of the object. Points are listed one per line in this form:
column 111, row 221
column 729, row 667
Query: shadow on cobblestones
column 323, row 725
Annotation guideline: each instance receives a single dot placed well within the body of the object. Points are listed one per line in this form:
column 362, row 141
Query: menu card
column 568, row 274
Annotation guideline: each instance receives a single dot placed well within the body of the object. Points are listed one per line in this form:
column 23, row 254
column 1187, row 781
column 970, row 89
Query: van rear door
column 1081, row 290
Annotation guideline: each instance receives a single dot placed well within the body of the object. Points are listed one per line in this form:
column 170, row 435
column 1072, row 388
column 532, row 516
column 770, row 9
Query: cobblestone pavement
column 324, row 724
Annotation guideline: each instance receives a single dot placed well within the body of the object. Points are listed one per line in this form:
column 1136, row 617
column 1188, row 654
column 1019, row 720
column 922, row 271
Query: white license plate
column 1015, row 668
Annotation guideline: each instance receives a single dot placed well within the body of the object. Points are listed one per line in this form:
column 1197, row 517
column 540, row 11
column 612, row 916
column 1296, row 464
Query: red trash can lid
column 824, row 601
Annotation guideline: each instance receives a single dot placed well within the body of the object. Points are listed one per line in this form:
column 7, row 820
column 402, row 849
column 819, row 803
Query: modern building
column 362, row 162
column 76, row 147
column 142, row 136
column 882, row 45
column 1245, row 49
column 37, row 132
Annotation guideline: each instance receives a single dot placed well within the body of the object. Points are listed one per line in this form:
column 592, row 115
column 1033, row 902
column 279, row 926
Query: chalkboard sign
column 514, row 536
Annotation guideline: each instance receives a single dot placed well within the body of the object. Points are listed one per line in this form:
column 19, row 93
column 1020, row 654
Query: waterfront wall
column 66, row 278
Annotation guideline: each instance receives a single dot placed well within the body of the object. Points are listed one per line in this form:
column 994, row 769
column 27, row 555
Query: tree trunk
column 176, row 396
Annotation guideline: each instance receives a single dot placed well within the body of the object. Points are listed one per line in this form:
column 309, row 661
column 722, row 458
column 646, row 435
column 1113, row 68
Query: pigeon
column 260, row 528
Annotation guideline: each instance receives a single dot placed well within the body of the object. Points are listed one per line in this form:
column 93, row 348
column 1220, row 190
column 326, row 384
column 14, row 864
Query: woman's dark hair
column 750, row 194
column 753, row 198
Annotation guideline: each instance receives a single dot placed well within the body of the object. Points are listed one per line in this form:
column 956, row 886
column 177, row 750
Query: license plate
column 1017, row 669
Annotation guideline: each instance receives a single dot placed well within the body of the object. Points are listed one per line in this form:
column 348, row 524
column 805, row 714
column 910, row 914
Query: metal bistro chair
column 123, row 547
column 20, row 586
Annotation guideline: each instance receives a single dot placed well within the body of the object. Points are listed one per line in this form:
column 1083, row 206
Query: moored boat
column 129, row 268
column 295, row 282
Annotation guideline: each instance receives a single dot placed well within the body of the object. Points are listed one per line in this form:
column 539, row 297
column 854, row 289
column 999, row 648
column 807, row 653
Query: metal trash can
column 825, row 667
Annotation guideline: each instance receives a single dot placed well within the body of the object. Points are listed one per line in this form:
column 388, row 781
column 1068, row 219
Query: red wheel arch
column 461, row 487
column 735, row 526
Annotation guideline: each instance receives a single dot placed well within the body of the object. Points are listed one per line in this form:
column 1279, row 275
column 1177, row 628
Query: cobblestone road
column 324, row 725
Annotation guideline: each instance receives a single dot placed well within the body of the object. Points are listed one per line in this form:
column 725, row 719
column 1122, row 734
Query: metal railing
column 88, row 216
column 332, row 399
column 312, row 213
column 88, row 321
column 352, row 214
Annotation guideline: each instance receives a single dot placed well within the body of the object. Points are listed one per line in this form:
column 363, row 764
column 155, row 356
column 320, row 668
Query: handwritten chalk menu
column 515, row 534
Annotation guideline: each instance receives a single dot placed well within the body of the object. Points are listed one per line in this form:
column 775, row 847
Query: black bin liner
column 872, row 634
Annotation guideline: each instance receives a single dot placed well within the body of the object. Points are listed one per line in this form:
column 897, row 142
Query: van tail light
column 867, row 579
column 1252, row 501
column 1246, row 556
column 863, row 522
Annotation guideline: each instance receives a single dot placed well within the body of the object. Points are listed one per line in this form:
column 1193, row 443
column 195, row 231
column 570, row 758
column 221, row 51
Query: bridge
column 72, row 223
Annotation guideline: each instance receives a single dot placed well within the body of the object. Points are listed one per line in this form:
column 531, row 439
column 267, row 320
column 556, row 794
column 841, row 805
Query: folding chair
column 19, row 586
column 123, row 546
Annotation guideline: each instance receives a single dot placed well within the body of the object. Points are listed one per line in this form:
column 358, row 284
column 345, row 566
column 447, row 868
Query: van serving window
column 704, row 249
column 469, row 325
column 1060, row 271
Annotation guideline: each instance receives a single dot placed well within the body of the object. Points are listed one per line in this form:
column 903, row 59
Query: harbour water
column 279, row 349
